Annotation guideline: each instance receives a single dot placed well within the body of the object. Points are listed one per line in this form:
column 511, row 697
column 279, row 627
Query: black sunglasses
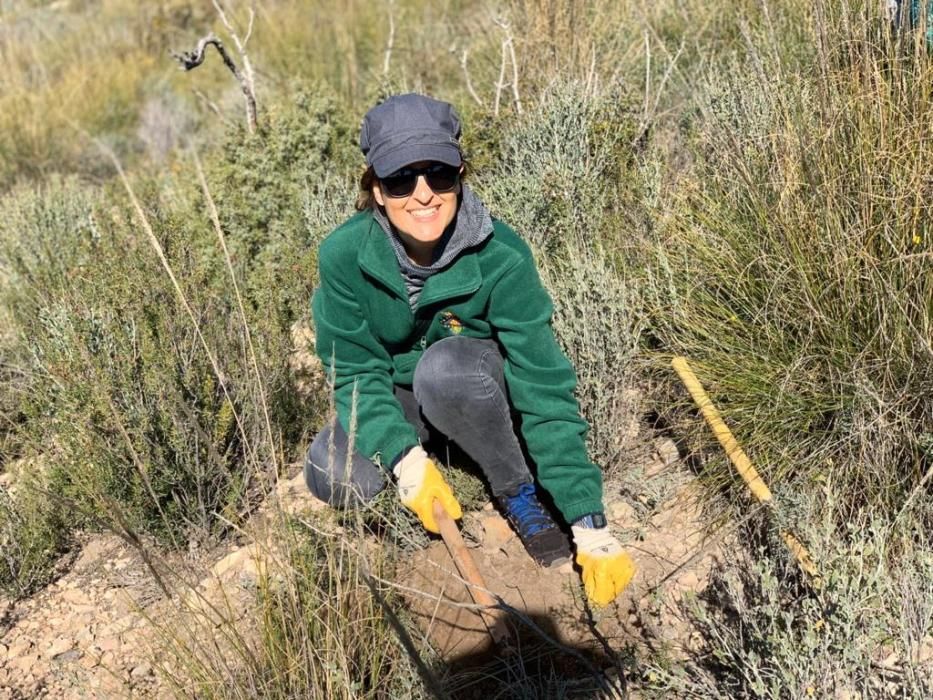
column 439, row 176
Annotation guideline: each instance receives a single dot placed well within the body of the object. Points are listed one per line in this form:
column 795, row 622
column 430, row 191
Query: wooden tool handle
column 493, row 617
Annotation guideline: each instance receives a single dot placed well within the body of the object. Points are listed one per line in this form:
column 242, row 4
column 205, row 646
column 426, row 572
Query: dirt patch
column 661, row 523
column 86, row 635
column 95, row 632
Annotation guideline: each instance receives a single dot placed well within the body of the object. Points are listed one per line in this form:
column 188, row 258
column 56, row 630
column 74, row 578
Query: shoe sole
column 557, row 563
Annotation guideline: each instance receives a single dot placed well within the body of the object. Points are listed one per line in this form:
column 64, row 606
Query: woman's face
column 421, row 217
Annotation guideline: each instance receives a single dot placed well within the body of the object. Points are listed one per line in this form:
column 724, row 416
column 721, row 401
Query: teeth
column 423, row 213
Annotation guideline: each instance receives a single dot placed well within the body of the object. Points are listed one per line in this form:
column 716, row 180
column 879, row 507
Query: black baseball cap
column 405, row 129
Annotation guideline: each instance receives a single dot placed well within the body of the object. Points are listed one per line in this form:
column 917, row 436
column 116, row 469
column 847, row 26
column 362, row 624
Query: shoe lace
column 526, row 511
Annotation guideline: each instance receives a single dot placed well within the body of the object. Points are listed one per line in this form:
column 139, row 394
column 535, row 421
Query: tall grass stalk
column 260, row 384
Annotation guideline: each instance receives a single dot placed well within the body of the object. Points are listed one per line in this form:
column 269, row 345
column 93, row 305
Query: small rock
column 59, row 646
column 111, row 643
column 294, row 496
column 24, row 664
column 93, row 552
column 141, row 671
column 75, row 596
column 689, row 581
column 621, row 513
column 667, row 451
column 497, row 531
column 18, row 648
column 654, row 467
column 3, row 651
column 846, row 694
column 66, row 656
column 924, row 653
column 118, row 626
column 231, row 563
column 89, row 661
column 488, row 506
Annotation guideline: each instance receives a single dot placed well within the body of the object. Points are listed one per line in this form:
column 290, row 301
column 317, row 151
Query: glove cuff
column 596, row 541
column 414, row 457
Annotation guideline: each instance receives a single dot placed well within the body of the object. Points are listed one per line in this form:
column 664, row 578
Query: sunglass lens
column 400, row 184
column 441, row 178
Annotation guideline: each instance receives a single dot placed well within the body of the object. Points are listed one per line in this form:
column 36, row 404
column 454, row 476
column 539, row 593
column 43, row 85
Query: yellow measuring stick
column 743, row 465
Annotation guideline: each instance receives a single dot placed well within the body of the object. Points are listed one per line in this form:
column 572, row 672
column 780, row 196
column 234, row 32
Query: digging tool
column 493, row 617
column 740, row 461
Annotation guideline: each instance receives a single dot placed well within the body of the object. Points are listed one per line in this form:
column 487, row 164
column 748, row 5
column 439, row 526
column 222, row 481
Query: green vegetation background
column 744, row 183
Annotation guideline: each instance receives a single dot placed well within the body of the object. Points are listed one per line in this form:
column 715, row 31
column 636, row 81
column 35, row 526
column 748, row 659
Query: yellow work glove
column 607, row 569
column 419, row 483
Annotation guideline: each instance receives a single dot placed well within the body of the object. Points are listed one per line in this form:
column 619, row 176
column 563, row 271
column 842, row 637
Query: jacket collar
column 377, row 259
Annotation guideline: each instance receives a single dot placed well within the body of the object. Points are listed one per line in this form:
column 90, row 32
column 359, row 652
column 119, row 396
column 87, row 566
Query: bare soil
column 96, row 631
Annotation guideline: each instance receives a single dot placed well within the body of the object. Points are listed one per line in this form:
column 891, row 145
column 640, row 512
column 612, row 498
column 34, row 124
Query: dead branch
column 466, row 75
column 500, row 84
column 190, row 60
column 240, row 45
column 511, row 45
column 508, row 55
column 390, row 42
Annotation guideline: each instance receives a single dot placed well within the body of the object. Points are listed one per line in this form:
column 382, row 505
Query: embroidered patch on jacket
column 451, row 322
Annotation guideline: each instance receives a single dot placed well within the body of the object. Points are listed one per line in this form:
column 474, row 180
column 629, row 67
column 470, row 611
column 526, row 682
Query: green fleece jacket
column 369, row 339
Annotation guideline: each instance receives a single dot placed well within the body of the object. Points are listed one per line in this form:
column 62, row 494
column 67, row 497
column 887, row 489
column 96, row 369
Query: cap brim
column 395, row 160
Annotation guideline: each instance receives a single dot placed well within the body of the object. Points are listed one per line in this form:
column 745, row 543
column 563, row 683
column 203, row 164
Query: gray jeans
column 459, row 391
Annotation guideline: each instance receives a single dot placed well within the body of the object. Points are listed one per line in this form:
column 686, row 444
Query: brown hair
column 366, row 200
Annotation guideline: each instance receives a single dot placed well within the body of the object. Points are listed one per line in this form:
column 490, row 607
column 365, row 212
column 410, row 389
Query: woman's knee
column 457, row 369
column 328, row 477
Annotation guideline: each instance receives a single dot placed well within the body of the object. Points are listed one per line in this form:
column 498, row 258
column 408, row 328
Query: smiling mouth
column 424, row 213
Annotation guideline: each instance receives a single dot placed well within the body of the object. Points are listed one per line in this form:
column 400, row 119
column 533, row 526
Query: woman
column 430, row 317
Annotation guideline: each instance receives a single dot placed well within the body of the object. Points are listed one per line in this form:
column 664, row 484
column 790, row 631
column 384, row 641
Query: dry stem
column 192, row 59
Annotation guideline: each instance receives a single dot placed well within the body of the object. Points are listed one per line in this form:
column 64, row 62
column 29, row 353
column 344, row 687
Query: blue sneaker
column 543, row 539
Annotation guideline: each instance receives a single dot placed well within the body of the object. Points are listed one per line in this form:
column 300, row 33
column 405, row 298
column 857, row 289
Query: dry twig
column 192, row 59
column 469, row 82
column 390, row 42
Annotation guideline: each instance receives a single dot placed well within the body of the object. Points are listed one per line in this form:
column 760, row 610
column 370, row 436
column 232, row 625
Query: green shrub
column 33, row 534
column 149, row 422
column 793, row 270
column 865, row 632
column 320, row 631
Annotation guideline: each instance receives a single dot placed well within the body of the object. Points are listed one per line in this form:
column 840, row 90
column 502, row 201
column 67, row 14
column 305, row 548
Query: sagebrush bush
column 33, row 534
column 866, row 631
column 565, row 178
